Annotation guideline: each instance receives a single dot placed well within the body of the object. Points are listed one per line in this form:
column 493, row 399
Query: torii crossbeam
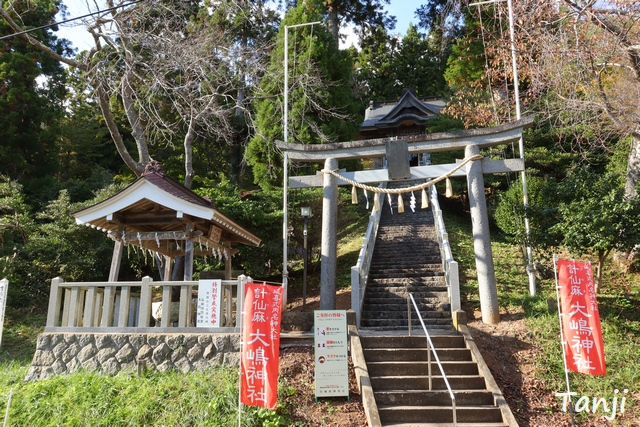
column 471, row 141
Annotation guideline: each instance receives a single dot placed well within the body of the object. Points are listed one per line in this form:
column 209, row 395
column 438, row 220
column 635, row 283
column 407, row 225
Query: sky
column 403, row 10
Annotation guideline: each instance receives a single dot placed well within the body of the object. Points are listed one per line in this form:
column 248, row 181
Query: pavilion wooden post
column 110, row 291
column 185, row 291
column 227, row 263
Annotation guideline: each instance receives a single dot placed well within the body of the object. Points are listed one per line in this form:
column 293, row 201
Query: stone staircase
column 398, row 369
column 407, row 260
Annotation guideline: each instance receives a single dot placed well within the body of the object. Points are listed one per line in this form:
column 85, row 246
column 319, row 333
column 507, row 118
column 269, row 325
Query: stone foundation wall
column 64, row 353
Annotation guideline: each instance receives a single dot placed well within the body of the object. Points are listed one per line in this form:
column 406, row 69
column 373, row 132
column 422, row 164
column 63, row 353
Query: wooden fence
column 135, row 306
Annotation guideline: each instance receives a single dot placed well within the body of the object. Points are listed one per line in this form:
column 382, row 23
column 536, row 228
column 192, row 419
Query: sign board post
column 330, row 354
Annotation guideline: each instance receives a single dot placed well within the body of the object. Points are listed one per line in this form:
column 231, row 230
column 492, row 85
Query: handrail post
column 429, row 358
column 409, row 315
column 355, row 292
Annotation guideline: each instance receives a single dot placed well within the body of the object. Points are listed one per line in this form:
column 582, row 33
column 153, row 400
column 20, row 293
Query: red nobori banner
column 261, row 345
column 584, row 348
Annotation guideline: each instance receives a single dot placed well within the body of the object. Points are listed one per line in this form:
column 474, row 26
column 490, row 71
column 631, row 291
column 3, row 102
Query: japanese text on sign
column 584, row 347
column 261, row 345
column 209, row 303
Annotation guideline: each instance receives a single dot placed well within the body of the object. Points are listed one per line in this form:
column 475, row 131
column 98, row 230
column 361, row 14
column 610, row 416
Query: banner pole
column 241, row 310
column 562, row 342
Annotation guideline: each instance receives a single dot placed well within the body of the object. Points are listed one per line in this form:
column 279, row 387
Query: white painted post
column 454, row 286
column 125, row 300
column 74, row 304
column 4, row 287
column 355, row 291
column 144, row 314
column 55, row 299
column 166, row 306
column 89, row 307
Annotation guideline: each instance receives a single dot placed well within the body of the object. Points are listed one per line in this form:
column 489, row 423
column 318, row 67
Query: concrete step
column 405, row 282
column 380, row 294
column 412, row 341
column 400, row 324
column 408, row 268
column 427, row 424
column 438, row 305
column 402, row 314
column 421, row 368
column 404, row 273
column 433, row 398
column 421, row 382
column 441, row 414
column 413, row 354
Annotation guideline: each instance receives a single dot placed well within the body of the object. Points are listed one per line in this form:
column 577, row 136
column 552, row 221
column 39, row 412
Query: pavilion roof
column 156, row 212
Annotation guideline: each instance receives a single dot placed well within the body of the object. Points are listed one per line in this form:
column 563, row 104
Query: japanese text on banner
column 261, row 345
column 584, row 347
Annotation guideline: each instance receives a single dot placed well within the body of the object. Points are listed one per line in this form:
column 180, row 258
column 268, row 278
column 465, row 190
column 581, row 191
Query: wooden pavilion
column 159, row 214
column 156, row 214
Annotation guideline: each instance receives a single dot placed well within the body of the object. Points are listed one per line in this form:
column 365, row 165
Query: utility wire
column 69, row 20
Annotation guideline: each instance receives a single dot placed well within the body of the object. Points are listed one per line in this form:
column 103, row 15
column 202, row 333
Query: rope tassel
column 400, row 204
column 376, row 201
column 354, row 195
column 449, row 191
column 425, row 199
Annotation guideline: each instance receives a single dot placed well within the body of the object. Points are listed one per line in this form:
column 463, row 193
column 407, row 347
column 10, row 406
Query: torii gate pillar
column 329, row 249
column 482, row 239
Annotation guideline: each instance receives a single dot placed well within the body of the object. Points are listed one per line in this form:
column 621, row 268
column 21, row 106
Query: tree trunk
column 333, row 22
column 633, row 169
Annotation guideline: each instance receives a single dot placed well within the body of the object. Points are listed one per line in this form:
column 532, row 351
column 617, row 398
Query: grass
column 618, row 303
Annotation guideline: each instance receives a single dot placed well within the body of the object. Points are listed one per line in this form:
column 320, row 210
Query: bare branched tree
column 176, row 69
column 579, row 64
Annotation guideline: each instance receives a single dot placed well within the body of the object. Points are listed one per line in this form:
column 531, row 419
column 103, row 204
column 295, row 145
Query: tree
column 31, row 95
column 419, row 64
column 596, row 216
column 167, row 68
column 366, row 15
column 321, row 107
column 579, row 64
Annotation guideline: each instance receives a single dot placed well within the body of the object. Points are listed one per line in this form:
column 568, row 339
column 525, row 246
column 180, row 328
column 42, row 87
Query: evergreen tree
column 31, row 94
column 321, row 107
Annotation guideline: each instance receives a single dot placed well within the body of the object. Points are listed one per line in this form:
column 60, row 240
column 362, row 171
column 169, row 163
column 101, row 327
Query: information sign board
column 331, row 357
column 209, row 303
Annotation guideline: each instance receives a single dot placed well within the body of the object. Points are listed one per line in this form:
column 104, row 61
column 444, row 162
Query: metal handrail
column 435, row 353
column 448, row 263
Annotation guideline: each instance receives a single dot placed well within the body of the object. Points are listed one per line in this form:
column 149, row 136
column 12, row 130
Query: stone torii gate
column 397, row 153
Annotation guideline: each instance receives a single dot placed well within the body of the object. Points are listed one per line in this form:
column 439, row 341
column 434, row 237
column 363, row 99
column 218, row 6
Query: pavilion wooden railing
column 127, row 306
column 448, row 263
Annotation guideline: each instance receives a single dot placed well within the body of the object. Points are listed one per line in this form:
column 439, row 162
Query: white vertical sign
column 4, row 287
column 331, row 356
column 209, row 303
